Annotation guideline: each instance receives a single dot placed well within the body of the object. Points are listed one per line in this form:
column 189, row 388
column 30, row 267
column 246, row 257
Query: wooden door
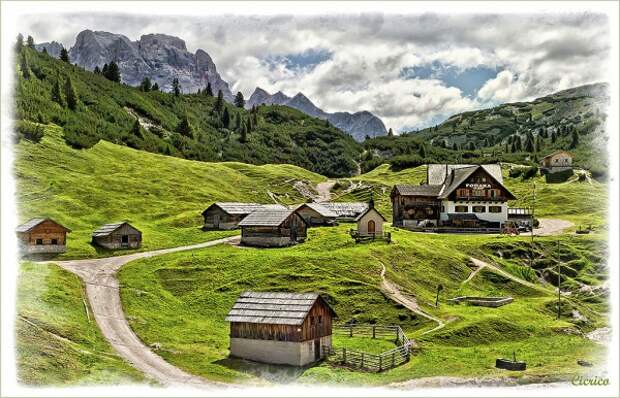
column 216, row 221
column 371, row 227
column 317, row 349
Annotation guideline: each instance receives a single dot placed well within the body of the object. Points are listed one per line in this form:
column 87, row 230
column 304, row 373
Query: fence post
column 373, row 331
column 380, row 363
column 344, row 355
column 393, row 359
column 350, row 331
column 362, row 365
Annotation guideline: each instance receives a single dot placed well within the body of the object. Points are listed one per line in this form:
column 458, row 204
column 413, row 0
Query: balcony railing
column 482, row 198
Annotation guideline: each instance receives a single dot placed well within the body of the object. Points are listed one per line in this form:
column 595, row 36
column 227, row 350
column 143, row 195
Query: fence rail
column 372, row 362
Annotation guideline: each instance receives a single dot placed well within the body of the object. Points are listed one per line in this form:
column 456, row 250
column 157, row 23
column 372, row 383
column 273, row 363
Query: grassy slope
column 57, row 342
column 161, row 195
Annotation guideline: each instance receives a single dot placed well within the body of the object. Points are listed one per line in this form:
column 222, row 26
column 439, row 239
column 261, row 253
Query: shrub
column 530, row 172
column 515, row 172
column 29, row 131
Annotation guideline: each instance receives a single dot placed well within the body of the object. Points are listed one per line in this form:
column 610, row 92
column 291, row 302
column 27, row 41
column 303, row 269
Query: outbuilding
column 346, row 211
column 281, row 328
column 120, row 235
column 316, row 214
column 227, row 215
column 273, row 228
column 556, row 162
column 370, row 222
column 42, row 235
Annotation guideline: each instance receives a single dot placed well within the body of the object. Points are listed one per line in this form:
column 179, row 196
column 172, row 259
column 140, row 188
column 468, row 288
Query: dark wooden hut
column 316, row 214
column 273, row 228
column 280, row 328
column 42, row 235
column 227, row 215
column 121, row 235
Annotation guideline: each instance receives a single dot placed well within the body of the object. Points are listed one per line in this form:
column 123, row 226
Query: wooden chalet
column 346, row 211
column 316, row 214
column 281, row 328
column 227, row 215
column 273, row 228
column 120, row 235
column 42, row 236
column 556, row 162
column 460, row 196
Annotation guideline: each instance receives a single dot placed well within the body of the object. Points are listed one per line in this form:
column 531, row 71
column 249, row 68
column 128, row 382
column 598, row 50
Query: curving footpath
column 102, row 290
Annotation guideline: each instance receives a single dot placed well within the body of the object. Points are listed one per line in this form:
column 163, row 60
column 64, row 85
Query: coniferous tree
column 57, row 93
column 238, row 122
column 244, row 133
column 24, row 67
column 184, row 128
column 422, row 151
column 529, row 145
column 176, row 87
column 70, row 94
column 113, row 73
column 104, row 71
column 155, row 87
column 574, row 140
column 145, row 85
column 471, row 146
column 455, row 147
column 239, row 100
column 225, row 118
column 390, row 132
column 97, row 71
column 64, row 55
column 208, row 91
column 19, row 43
column 30, row 42
column 44, row 51
column 255, row 120
column 219, row 102
column 554, row 137
column 513, row 148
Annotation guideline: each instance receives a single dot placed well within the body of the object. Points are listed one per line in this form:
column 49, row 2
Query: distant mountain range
column 358, row 124
column 162, row 58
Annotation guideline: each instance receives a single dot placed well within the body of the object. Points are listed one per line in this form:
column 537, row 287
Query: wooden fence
column 372, row 362
column 370, row 237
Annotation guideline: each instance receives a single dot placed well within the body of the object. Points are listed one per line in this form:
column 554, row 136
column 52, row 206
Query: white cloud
column 505, row 87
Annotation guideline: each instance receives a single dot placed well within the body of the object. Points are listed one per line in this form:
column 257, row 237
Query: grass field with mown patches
column 58, row 342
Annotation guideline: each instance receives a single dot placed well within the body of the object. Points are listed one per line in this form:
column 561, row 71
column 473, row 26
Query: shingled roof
column 266, row 218
column 107, row 229
column 273, row 308
column 244, row 208
column 319, row 208
column 418, row 190
column 436, row 173
column 28, row 225
column 346, row 209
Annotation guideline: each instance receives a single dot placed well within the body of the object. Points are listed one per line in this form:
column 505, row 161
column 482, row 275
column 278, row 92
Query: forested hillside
column 523, row 132
column 89, row 107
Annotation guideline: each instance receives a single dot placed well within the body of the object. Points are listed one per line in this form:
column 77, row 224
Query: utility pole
column 532, row 224
column 559, row 277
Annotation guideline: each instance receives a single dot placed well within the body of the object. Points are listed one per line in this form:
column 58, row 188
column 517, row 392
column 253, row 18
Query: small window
column 39, row 241
column 479, row 209
column 495, row 209
column 54, row 241
column 312, row 321
column 461, row 209
column 320, row 319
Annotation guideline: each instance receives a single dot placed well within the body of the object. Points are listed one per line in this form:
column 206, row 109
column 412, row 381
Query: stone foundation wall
column 277, row 352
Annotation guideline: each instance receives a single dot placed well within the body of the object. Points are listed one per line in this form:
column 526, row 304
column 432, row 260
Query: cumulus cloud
column 535, row 54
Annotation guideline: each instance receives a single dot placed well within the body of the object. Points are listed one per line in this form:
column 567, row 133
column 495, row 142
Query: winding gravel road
column 102, row 290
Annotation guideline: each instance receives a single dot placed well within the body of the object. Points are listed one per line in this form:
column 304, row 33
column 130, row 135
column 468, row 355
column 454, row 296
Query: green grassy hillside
column 58, row 342
column 162, row 196
column 108, row 110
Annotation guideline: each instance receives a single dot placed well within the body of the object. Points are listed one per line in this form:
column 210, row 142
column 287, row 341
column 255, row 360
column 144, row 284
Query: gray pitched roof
column 436, row 173
column 244, row 208
column 368, row 210
column 28, row 225
column 557, row 153
column 319, row 208
column 266, row 218
column 107, row 229
column 418, row 190
column 272, row 308
column 346, row 209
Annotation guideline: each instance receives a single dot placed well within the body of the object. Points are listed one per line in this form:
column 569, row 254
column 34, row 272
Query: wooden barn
column 227, row 215
column 42, row 235
column 316, row 214
column 273, row 228
column 346, row 211
column 281, row 328
column 121, row 235
column 370, row 223
column 556, row 162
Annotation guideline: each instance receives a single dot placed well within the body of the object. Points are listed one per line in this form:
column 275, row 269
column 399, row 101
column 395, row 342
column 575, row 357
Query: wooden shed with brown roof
column 120, row 235
column 42, row 235
column 227, row 215
column 273, row 228
column 280, row 328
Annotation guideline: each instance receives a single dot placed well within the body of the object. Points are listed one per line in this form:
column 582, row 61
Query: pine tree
column 255, row 119
column 244, row 133
column 238, row 122
column 30, row 42
column 574, row 140
column 44, row 51
column 390, row 132
column 471, row 146
column 113, row 73
column 19, row 43
column 64, row 55
column 239, row 100
column 225, row 118
column 24, row 67
column 455, row 147
column 513, row 148
column 219, row 102
column 208, row 91
column 529, row 145
column 105, row 71
column 422, row 152
column 70, row 94
column 56, row 93
column 250, row 124
column 176, row 87
column 97, row 71
column 155, row 87
column 184, row 128
column 145, row 85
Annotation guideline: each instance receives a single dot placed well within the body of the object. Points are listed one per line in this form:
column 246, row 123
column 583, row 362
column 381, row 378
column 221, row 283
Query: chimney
column 371, row 202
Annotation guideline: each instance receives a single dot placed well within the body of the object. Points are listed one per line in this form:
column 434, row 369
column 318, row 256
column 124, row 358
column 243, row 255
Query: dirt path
column 102, row 290
column 393, row 291
column 481, row 264
column 551, row 226
column 324, row 190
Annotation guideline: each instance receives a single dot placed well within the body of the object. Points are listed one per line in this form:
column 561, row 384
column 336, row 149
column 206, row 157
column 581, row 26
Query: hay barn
column 42, row 235
column 227, row 215
column 273, row 228
column 120, row 235
column 316, row 214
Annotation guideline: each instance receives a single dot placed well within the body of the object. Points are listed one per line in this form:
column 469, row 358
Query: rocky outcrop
column 157, row 56
column 359, row 124
column 53, row 48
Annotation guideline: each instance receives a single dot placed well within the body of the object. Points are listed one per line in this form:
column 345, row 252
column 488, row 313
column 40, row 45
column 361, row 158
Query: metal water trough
column 482, row 301
column 509, row 364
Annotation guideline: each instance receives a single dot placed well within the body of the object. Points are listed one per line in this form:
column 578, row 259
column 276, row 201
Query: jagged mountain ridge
column 53, row 48
column 358, row 124
column 157, row 56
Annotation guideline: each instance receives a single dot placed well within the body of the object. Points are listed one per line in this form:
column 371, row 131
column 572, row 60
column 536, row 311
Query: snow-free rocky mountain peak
column 157, row 56
column 359, row 124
